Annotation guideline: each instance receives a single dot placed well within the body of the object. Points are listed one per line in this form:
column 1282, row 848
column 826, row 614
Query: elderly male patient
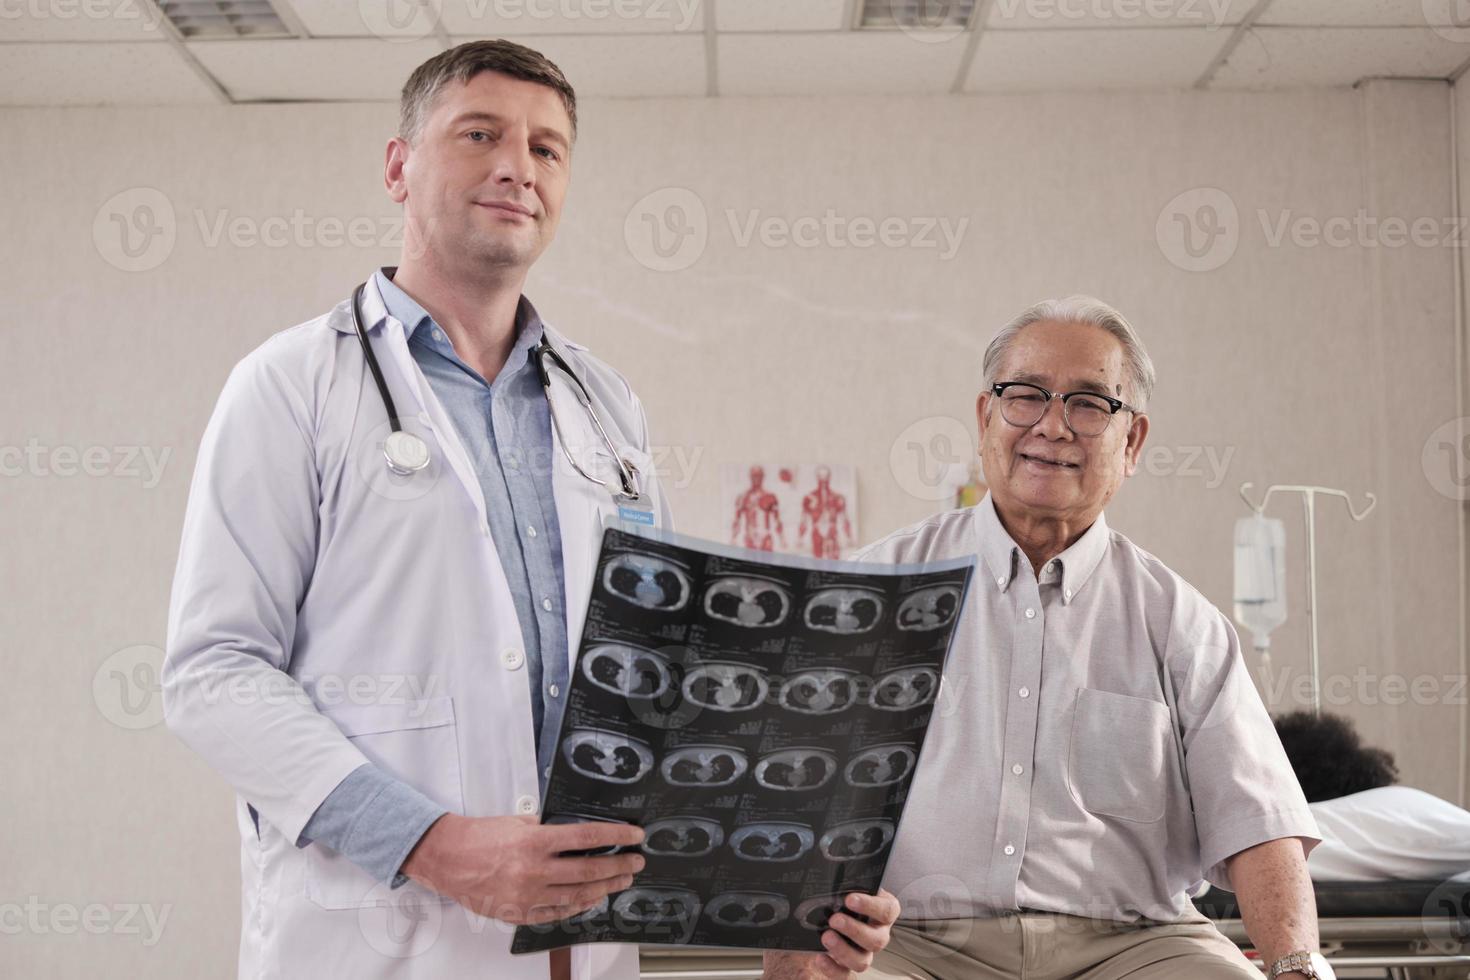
column 1098, row 746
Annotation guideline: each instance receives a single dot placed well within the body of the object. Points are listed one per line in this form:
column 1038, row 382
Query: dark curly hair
column 1330, row 758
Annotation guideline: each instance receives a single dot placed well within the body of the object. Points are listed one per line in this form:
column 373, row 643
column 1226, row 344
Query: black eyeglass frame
column 1115, row 405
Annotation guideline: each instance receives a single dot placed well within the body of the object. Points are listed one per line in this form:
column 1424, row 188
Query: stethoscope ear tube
column 627, row 475
column 405, row 452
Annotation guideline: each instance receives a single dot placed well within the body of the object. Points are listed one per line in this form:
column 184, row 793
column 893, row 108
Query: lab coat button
column 526, row 804
column 512, row 659
column 1024, row 692
column 1017, row 769
column 1009, row 850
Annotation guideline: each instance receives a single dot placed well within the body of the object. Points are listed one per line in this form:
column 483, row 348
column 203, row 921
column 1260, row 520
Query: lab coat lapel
column 430, row 413
column 581, row 505
column 436, row 419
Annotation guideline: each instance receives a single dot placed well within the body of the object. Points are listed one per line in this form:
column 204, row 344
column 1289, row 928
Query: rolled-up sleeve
column 1241, row 785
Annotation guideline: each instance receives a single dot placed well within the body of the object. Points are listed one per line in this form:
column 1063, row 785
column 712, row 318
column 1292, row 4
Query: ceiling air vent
column 208, row 19
column 920, row 15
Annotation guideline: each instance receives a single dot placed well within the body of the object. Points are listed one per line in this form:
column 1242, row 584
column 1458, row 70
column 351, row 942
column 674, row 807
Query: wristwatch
column 1307, row 963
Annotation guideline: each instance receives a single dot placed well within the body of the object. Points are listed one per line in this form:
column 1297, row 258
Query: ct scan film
column 761, row 718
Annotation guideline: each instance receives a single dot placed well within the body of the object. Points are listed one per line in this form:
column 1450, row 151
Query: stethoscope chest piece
column 406, row 453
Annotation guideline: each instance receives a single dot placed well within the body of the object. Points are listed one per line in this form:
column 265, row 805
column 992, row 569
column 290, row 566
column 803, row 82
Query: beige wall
column 1293, row 363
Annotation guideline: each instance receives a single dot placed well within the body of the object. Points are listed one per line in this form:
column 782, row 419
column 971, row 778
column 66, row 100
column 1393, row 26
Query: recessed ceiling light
column 917, row 14
column 196, row 19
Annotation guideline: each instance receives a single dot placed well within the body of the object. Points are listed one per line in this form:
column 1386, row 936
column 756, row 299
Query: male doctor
column 376, row 660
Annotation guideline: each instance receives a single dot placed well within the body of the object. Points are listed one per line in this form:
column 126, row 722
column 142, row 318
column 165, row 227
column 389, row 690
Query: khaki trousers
column 1052, row 946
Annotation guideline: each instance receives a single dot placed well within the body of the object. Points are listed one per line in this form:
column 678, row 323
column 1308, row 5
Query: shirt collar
column 408, row 311
column 1004, row 559
column 400, row 306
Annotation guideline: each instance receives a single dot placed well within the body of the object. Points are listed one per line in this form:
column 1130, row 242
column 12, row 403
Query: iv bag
column 1260, row 576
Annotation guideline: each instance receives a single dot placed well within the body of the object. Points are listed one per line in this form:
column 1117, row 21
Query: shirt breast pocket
column 1117, row 763
column 416, row 741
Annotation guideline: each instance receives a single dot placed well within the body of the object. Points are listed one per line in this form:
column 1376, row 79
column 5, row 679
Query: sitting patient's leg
column 951, row 949
column 1191, row 948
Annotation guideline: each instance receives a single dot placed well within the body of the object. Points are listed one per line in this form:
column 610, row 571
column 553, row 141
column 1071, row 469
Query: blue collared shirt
column 373, row 818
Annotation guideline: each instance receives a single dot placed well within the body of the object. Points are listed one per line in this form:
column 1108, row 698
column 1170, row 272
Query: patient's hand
column 841, row 958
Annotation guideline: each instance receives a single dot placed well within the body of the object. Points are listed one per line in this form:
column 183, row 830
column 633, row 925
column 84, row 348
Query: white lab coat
column 326, row 613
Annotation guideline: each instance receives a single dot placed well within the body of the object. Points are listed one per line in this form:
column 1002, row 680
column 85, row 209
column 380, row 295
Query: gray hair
column 1080, row 309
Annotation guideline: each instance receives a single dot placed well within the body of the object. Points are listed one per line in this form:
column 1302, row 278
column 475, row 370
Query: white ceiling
column 119, row 52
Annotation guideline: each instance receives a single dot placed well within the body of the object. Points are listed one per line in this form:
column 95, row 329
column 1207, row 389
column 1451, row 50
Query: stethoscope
column 407, row 454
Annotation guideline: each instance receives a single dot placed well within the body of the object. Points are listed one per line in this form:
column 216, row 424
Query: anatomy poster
column 810, row 509
column 761, row 718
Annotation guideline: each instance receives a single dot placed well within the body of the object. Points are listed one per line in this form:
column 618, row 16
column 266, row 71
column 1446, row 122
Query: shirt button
column 526, row 804
column 438, row 334
column 547, row 772
column 1009, row 850
column 546, row 604
column 1001, row 582
column 531, row 530
column 553, row 690
column 1024, row 692
column 1031, row 614
column 512, row 659
column 1017, row 769
column 1068, row 594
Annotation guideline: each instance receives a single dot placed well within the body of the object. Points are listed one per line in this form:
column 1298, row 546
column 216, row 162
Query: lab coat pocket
column 1117, row 761
column 416, row 741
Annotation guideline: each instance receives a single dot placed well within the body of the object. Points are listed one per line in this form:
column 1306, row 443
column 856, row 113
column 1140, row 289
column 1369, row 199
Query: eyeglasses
column 1087, row 413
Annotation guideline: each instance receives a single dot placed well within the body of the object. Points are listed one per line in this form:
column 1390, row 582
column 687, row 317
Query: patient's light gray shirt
column 1098, row 745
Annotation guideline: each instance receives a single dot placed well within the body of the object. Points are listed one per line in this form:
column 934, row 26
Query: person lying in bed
column 1372, row 828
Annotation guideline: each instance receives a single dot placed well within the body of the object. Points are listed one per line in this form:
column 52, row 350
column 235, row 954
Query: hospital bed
column 1397, row 930
column 1393, row 929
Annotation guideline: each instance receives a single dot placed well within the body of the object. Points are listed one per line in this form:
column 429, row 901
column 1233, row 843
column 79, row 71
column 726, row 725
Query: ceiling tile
column 134, row 73
column 1283, row 57
column 626, row 66
column 332, row 69
column 857, row 63
column 1360, row 13
column 782, row 15
column 362, row 18
column 79, row 20
column 1114, row 14
column 498, row 18
column 513, row 18
column 1039, row 61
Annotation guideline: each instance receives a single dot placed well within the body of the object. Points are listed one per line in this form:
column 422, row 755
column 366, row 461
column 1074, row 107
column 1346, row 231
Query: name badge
column 638, row 510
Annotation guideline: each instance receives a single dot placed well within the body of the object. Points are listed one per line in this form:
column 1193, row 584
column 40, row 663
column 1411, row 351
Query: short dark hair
column 1330, row 758
column 464, row 62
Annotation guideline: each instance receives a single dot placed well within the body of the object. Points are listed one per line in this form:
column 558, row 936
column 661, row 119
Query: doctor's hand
column 853, row 954
column 510, row 868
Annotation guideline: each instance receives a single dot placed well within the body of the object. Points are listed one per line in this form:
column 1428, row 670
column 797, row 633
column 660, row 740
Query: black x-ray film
column 761, row 717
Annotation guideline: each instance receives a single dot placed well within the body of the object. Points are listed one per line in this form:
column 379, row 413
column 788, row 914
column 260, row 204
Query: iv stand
column 1309, row 495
